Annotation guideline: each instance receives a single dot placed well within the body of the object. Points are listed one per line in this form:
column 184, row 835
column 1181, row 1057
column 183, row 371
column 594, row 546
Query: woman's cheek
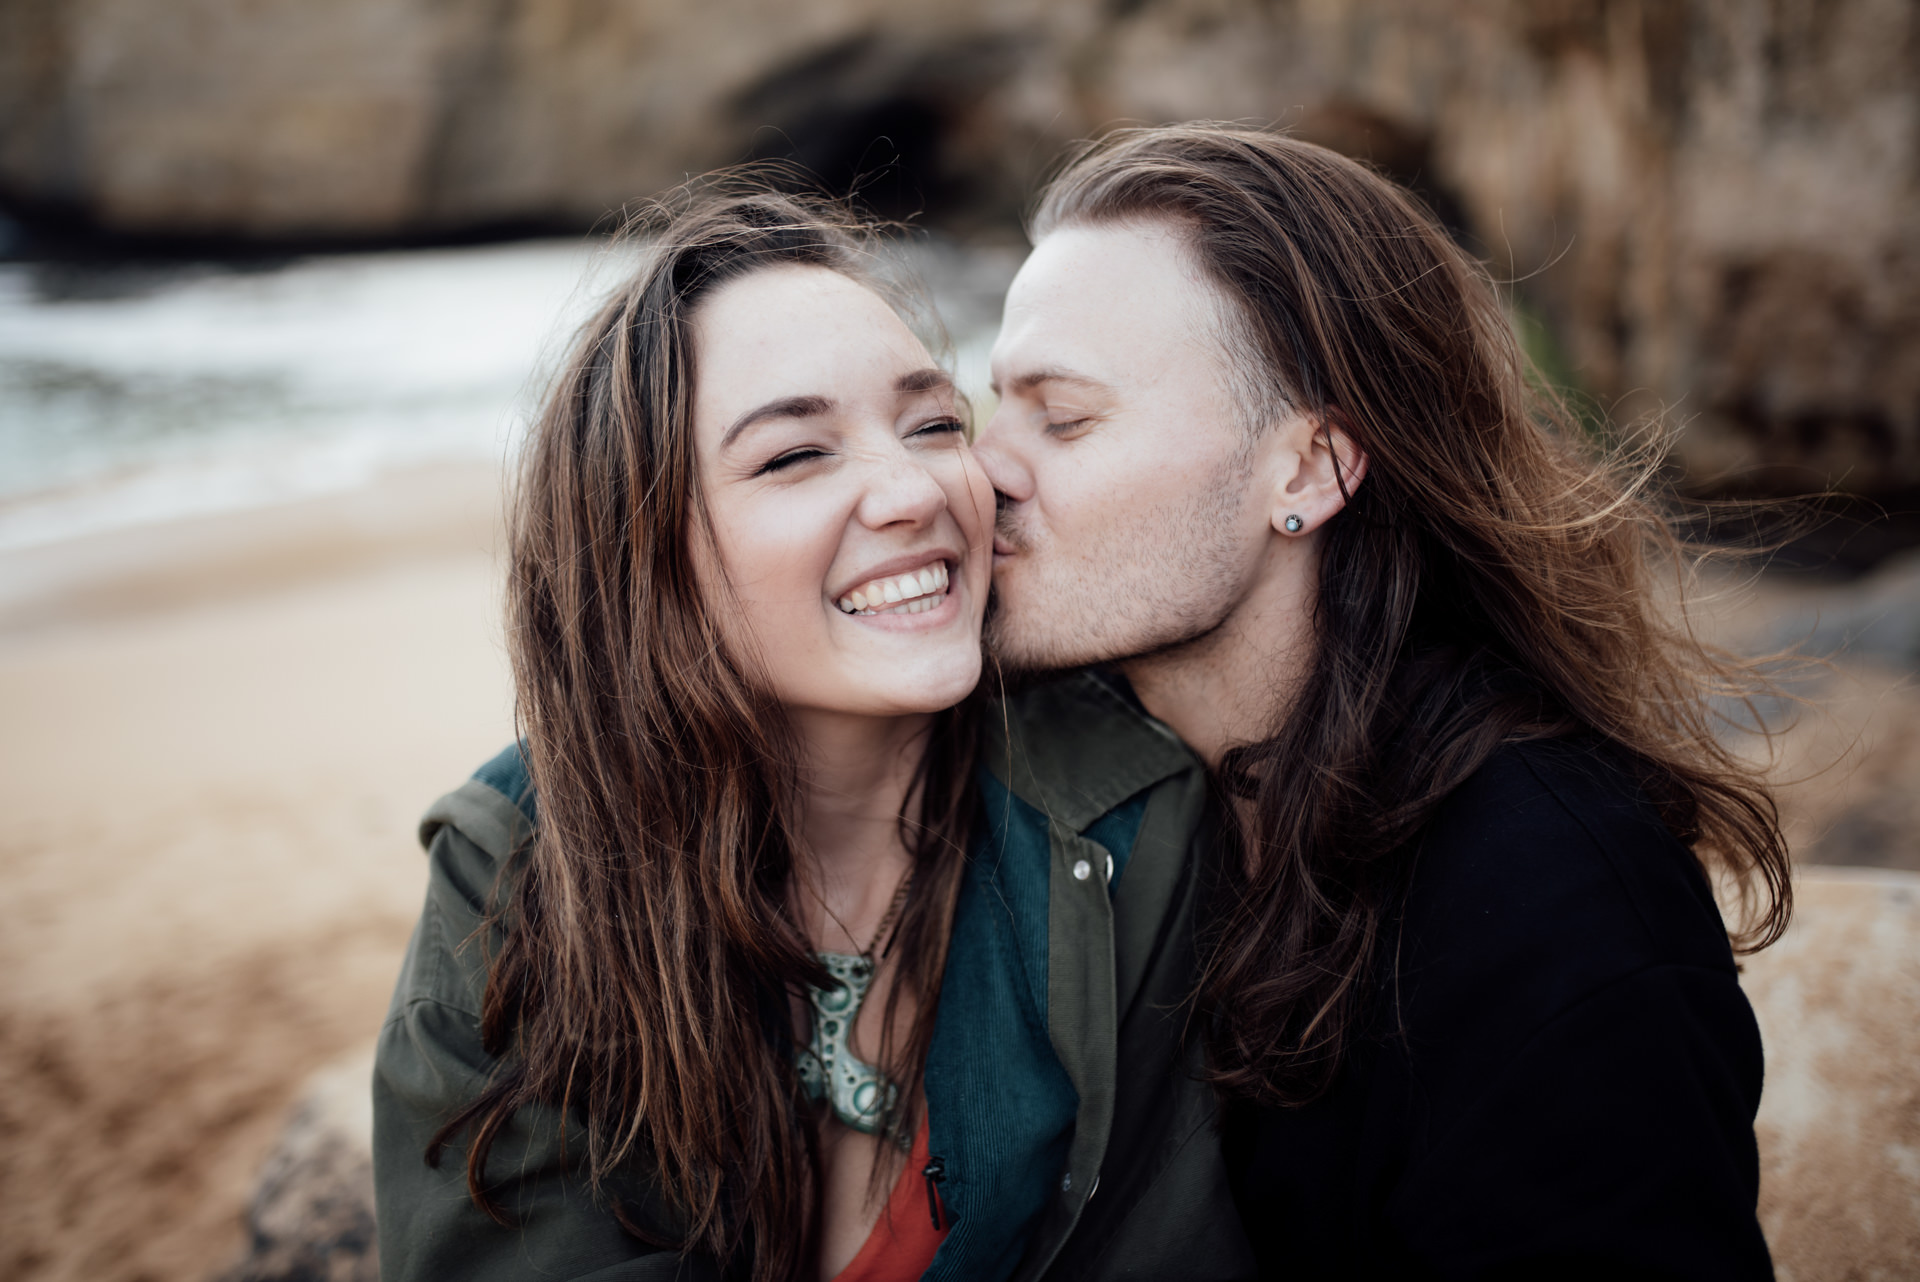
column 969, row 496
column 765, row 563
column 972, row 501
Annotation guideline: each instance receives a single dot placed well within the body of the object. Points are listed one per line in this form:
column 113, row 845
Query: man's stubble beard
column 1156, row 584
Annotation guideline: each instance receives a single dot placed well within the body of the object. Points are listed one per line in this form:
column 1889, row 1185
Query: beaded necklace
column 858, row 1092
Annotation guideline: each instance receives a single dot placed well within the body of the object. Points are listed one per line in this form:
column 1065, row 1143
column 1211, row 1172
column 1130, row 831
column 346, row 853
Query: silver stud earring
column 1293, row 524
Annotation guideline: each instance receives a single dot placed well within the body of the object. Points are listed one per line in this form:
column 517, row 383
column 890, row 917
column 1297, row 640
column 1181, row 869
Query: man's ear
column 1326, row 465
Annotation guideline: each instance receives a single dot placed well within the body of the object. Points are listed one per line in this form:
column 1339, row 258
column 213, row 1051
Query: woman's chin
column 935, row 694
column 905, row 690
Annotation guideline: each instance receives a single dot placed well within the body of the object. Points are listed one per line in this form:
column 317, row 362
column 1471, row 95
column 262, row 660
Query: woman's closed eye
column 780, row 462
column 943, row 426
column 940, row 426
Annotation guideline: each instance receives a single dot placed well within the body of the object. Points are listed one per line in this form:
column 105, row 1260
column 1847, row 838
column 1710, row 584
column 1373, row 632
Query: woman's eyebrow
column 931, row 379
column 921, row 380
column 785, row 407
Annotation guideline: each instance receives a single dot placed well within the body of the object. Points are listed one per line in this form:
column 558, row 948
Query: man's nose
column 1002, row 460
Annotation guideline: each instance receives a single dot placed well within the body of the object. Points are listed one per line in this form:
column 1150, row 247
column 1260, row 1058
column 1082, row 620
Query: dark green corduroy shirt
column 1061, row 1099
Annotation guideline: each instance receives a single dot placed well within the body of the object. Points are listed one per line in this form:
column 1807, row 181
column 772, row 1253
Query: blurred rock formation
column 311, row 1218
column 1838, row 1002
column 1708, row 202
column 1837, row 999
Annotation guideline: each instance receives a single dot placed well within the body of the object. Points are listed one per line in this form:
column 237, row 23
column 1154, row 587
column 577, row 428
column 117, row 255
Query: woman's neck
column 857, row 773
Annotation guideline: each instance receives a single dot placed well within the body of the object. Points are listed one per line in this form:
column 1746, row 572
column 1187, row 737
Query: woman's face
column 848, row 516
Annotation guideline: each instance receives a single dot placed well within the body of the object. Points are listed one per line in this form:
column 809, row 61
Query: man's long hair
column 1492, row 580
column 647, row 959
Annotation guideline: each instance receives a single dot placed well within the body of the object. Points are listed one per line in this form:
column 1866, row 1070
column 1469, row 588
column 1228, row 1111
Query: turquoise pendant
column 857, row 1092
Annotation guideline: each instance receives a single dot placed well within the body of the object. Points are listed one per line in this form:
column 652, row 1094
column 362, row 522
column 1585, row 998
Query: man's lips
column 1003, row 548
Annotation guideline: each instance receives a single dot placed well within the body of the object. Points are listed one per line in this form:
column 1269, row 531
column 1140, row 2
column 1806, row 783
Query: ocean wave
column 223, row 389
column 211, row 389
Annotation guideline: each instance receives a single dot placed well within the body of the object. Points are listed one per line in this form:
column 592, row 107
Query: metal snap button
column 1082, row 870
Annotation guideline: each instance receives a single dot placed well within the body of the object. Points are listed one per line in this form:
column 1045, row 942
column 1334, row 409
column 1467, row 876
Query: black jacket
column 1557, row 1080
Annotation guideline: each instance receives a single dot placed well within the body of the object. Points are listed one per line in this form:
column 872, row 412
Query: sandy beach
column 219, row 738
column 282, row 285
column 220, row 734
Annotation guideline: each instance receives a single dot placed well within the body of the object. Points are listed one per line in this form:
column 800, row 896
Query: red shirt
column 903, row 1240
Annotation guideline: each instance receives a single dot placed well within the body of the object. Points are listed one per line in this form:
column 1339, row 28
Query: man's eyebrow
column 785, row 407
column 1053, row 374
column 930, row 379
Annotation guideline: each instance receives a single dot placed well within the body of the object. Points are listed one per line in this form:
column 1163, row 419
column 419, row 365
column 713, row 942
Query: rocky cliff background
column 221, row 730
column 1707, row 206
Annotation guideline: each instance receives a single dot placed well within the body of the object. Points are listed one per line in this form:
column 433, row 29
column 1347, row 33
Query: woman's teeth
column 902, row 594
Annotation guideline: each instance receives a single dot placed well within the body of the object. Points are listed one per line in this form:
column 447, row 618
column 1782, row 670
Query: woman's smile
column 851, row 528
column 894, row 593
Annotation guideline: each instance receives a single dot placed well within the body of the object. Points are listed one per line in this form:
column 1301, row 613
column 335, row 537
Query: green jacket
column 1076, row 1141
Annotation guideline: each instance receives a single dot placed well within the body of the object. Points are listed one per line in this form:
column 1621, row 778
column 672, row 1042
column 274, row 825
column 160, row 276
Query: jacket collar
column 1084, row 745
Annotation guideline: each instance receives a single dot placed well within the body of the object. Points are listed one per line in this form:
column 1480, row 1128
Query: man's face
column 1131, row 521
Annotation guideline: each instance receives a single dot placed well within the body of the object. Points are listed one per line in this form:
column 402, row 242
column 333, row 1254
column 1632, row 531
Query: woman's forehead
column 797, row 331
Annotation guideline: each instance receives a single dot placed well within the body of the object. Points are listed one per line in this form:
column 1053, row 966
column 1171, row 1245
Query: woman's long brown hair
column 1492, row 579
column 645, row 949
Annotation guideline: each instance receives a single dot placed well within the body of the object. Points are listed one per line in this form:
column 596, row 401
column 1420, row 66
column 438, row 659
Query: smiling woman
column 750, row 559
column 815, row 498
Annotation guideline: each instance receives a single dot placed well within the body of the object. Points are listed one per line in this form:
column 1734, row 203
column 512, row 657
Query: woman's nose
column 901, row 489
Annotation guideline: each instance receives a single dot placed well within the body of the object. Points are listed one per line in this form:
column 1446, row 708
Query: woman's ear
column 1323, row 467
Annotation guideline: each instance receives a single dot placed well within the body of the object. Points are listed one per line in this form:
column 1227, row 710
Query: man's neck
column 1237, row 683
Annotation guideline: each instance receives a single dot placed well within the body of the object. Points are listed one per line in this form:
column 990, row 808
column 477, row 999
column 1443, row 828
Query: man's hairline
column 1258, row 400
